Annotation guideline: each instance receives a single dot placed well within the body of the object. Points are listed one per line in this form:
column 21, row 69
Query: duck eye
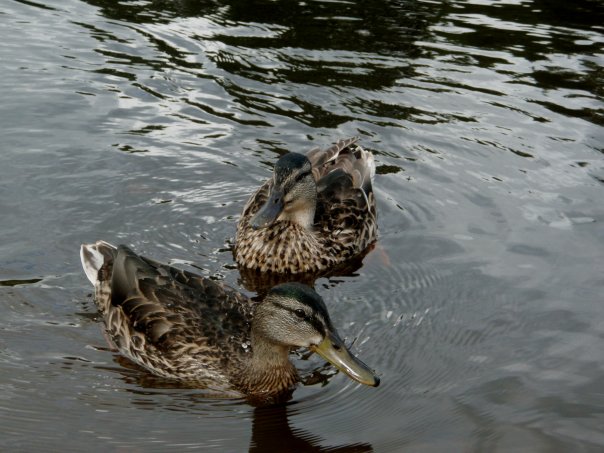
column 301, row 176
column 300, row 313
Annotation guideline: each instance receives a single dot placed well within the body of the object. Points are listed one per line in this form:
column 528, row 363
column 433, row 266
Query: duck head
column 293, row 194
column 294, row 315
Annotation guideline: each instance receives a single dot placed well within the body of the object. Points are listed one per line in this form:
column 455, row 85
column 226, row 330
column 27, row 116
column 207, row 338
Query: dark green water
column 151, row 122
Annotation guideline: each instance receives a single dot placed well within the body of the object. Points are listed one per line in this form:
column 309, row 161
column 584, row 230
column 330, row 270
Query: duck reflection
column 272, row 432
column 271, row 429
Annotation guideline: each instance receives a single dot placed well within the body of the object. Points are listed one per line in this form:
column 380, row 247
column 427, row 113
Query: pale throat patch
column 301, row 213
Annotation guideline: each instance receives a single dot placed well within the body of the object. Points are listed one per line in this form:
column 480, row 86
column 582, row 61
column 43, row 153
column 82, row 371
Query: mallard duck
column 182, row 326
column 316, row 212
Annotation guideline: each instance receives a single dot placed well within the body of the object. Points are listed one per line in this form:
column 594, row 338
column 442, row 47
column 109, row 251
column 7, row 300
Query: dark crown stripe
column 312, row 319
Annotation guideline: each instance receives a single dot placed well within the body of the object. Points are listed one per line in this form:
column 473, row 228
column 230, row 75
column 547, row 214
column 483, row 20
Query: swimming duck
column 182, row 326
column 316, row 212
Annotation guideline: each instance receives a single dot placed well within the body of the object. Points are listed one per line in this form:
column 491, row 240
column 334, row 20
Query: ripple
column 149, row 123
column 17, row 282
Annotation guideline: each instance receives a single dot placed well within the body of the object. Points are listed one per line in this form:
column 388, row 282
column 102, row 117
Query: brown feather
column 345, row 221
column 180, row 325
column 199, row 332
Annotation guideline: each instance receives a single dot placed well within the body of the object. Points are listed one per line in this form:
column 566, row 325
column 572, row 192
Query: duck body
column 174, row 323
column 182, row 326
column 317, row 212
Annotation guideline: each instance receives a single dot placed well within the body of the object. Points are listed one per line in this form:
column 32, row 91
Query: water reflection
column 272, row 432
column 271, row 428
column 383, row 26
column 485, row 314
column 16, row 282
column 325, row 43
column 380, row 63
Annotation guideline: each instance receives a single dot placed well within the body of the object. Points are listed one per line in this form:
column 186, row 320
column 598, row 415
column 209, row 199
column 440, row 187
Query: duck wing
column 347, row 156
column 169, row 320
column 167, row 303
column 346, row 210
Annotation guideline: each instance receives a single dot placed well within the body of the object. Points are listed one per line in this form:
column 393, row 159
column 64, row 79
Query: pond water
column 149, row 123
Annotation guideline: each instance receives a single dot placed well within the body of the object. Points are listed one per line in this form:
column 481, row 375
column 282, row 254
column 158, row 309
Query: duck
column 316, row 212
column 203, row 333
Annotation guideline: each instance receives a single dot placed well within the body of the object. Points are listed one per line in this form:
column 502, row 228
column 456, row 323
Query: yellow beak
column 333, row 349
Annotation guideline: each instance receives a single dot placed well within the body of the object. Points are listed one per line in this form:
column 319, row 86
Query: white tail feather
column 370, row 164
column 93, row 259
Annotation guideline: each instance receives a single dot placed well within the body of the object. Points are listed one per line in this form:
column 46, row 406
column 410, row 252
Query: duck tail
column 365, row 168
column 94, row 257
column 319, row 157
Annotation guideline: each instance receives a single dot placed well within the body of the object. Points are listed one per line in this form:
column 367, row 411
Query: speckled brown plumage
column 186, row 327
column 344, row 221
column 180, row 325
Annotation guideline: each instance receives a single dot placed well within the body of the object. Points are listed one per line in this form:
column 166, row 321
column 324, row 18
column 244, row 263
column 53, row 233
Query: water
column 150, row 123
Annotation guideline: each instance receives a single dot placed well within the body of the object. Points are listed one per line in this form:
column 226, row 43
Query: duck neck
column 305, row 217
column 269, row 369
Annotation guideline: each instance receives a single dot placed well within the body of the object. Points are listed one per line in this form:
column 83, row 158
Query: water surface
column 150, row 123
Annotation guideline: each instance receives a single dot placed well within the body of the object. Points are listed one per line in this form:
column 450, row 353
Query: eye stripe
column 301, row 176
column 312, row 320
column 318, row 325
column 291, row 310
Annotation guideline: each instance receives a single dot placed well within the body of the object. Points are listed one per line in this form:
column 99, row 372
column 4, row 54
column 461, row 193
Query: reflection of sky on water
column 150, row 123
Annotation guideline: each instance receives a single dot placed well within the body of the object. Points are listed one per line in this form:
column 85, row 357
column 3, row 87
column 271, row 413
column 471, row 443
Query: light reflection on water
column 150, row 123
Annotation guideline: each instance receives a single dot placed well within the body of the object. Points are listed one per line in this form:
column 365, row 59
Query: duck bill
column 333, row 349
column 270, row 211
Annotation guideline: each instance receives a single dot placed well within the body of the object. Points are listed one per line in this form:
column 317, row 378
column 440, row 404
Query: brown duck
column 182, row 326
column 316, row 212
